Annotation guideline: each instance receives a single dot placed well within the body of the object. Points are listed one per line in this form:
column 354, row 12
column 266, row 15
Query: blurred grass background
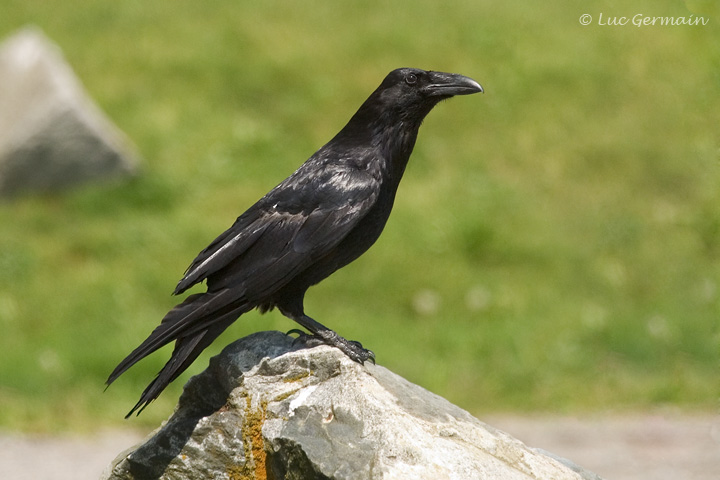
column 555, row 244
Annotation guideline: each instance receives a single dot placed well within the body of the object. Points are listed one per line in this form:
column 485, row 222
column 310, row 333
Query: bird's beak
column 449, row 84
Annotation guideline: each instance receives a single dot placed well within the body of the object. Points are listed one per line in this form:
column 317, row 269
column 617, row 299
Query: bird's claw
column 370, row 356
column 361, row 354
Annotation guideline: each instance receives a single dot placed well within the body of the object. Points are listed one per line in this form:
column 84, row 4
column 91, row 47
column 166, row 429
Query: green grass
column 555, row 244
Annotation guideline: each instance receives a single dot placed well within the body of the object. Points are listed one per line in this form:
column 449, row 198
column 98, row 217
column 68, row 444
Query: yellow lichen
column 285, row 395
column 294, row 377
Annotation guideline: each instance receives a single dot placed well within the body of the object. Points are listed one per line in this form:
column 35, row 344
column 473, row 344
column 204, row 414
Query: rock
column 52, row 136
column 266, row 409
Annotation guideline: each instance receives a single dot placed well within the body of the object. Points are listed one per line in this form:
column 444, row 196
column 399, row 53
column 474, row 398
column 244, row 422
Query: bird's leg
column 324, row 335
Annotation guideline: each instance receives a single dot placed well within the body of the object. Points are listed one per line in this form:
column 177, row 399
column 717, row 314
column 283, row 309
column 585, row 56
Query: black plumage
column 319, row 219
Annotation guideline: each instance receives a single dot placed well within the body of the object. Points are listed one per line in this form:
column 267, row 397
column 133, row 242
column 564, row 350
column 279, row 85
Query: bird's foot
column 353, row 349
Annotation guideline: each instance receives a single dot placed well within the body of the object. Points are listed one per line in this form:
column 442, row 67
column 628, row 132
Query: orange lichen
column 254, row 467
column 254, row 420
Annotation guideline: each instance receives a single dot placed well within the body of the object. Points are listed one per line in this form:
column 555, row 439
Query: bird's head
column 415, row 92
column 392, row 114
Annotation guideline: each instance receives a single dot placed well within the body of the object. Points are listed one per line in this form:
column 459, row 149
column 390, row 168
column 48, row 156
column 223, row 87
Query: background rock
column 267, row 409
column 52, row 136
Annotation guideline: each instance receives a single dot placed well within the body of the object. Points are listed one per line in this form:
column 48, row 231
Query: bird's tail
column 193, row 325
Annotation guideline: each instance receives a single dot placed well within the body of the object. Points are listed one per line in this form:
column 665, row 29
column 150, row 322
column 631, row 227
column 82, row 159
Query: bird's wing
column 227, row 246
column 299, row 221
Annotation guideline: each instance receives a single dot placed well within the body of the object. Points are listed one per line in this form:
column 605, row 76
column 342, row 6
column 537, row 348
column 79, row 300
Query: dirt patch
column 626, row 447
column 29, row 457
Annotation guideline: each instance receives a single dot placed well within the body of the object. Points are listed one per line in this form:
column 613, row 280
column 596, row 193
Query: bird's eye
column 411, row 79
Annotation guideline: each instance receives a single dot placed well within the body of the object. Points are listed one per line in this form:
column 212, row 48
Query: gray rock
column 52, row 136
column 266, row 409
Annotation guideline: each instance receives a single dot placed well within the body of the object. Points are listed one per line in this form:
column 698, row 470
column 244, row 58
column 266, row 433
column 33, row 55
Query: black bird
column 319, row 219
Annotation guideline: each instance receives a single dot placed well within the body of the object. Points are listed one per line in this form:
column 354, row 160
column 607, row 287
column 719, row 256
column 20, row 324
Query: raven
column 319, row 219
